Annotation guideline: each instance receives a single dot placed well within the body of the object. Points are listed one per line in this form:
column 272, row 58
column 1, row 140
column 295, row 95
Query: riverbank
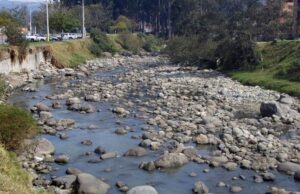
column 110, row 117
column 279, row 69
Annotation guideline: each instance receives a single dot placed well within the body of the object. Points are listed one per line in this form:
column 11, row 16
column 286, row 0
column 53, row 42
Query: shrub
column 15, row 126
column 237, row 53
column 191, row 51
column 130, row 41
column 291, row 73
column 3, row 88
column 14, row 36
column 101, row 43
column 150, row 42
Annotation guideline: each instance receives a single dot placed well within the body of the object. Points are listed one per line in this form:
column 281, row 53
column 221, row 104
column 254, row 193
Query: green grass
column 14, row 179
column 277, row 69
column 15, row 126
column 68, row 53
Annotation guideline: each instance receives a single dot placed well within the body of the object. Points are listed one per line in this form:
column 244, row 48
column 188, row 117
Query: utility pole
column 47, row 13
column 30, row 22
column 83, row 21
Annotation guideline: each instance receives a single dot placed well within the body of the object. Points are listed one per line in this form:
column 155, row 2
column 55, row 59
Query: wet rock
column 44, row 147
column 258, row 179
column 191, row 153
column 44, row 116
column 267, row 109
column 120, row 111
column 148, row 166
column 62, row 159
column 121, row 131
column 73, row 171
column 221, row 184
column 288, row 167
column 275, row 190
column 267, row 176
column 42, row 107
column 65, row 182
column 88, row 108
column 72, row 101
column 200, row 188
column 145, row 189
column 230, row 166
column 66, row 123
column 56, row 105
column 100, row 150
column 235, row 189
column 88, row 184
column 193, row 174
column 171, row 160
column 297, row 175
column 136, row 152
column 95, row 161
column 87, row 142
column 92, row 98
column 63, row 136
column 108, row 155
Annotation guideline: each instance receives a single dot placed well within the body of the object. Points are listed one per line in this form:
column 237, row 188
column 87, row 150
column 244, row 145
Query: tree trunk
column 169, row 19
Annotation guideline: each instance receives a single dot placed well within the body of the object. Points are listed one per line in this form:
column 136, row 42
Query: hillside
column 279, row 68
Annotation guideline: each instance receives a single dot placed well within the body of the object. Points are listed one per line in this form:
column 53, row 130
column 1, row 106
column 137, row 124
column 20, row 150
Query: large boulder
column 65, row 182
column 267, row 109
column 44, row 147
column 171, row 160
column 88, row 184
column 142, row 190
column 288, row 167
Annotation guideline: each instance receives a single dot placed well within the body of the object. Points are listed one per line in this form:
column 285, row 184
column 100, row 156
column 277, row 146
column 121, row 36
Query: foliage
column 14, row 179
column 3, row 88
column 101, row 43
column 130, row 41
column 15, row 37
column 122, row 24
column 191, row 51
column 63, row 22
column 18, row 125
column 150, row 42
column 237, row 53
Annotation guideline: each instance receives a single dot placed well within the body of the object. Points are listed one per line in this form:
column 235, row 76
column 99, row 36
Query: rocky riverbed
column 141, row 125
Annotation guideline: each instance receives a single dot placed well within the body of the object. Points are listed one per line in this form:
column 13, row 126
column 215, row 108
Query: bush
column 150, row 42
column 191, row 51
column 130, row 42
column 101, row 43
column 291, row 73
column 15, row 126
column 15, row 37
column 237, row 53
column 3, row 88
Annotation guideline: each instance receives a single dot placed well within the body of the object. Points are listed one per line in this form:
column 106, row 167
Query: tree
column 63, row 22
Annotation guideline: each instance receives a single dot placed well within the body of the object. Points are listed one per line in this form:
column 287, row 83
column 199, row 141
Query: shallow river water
column 126, row 169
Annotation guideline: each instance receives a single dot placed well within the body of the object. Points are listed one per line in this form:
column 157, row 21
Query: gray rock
column 200, row 188
column 137, row 152
column 171, row 160
column 88, row 184
column 42, row 107
column 145, row 189
column 148, row 166
column 44, row 146
column 286, row 99
column 235, row 189
column 56, row 105
column 230, row 166
column 45, row 115
column 100, row 150
column 62, row 159
column 121, row 131
column 73, row 171
column 267, row 176
column 202, row 139
column 88, row 108
column 72, row 101
column 87, row 142
column 65, row 182
column 297, row 175
column 288, row 167
column 267, row 109
column 120, row 111
column 108, row 155
column 65, row 123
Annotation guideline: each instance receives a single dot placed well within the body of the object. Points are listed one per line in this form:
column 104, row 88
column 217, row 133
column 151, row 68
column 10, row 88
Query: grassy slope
column 69, row 53
column 276, row 57
column 13, row 179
